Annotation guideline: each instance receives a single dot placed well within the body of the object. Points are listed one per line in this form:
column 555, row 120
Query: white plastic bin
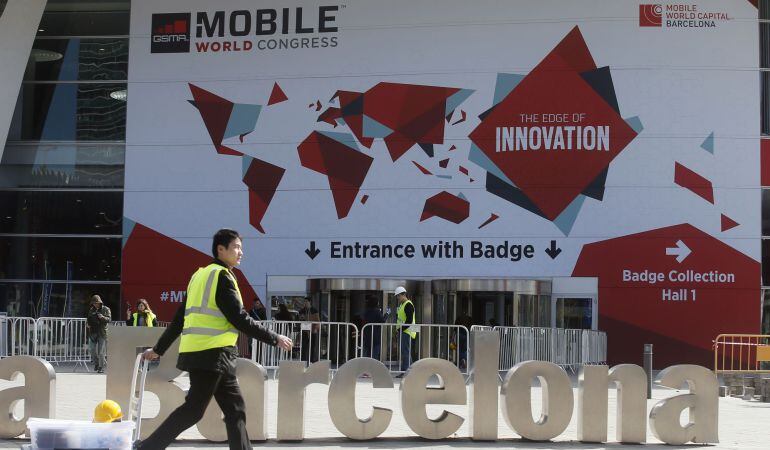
column 50, row 434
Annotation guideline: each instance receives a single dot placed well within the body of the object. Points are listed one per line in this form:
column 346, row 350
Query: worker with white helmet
column 407, row 330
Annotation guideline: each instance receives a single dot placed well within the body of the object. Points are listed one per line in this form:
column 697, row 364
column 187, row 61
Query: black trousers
column 204, row 385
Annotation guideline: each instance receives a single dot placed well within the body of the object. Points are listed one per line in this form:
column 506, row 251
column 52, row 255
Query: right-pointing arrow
column 681, row 251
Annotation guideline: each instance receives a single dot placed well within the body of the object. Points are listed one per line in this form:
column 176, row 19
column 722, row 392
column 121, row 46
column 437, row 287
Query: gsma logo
column 650, row 15
column 170, row 33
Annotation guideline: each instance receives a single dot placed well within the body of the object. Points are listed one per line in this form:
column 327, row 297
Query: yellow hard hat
column 107, row 411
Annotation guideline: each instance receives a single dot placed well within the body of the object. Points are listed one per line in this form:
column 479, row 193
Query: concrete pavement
column 742, row 424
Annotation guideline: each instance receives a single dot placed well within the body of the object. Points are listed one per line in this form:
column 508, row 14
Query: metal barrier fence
column 64, row 340
column 566, row 347
column 313, row 341
column 386, row 342
column 59, row 340
column 55, row 339
column 742, row 353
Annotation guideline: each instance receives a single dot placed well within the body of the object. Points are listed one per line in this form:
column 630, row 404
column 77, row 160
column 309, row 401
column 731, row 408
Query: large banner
column 446, row 138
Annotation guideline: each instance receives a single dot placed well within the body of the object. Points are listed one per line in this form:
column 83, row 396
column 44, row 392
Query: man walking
column 98, row 318
column 209, row 322
column 408, row 332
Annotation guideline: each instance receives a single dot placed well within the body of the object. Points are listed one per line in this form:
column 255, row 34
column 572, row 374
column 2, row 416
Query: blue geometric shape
column 635, row 123
column 342, row 138
column 447, row 177
column 475, row 155
column 456, row 99
column 505, row 84
column 245, row 163
column 374, row 129
column 708, row 144
column 462, row 196
column 243, row 119
column 128, row 227
column 566, row 220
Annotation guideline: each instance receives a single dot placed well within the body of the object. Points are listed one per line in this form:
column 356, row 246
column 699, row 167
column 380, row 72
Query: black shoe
column 401, row 375
column 137, row 445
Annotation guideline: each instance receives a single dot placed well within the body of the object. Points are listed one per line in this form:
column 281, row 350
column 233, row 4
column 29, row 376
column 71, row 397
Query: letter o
column 557, row 400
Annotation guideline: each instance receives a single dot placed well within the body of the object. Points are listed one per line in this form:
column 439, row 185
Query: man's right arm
column 172, row 332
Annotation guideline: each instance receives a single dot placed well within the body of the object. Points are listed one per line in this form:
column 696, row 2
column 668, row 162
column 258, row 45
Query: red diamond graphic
column 553, row 178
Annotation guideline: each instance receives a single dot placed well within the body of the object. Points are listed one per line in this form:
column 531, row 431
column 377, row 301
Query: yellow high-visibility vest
column 205, row 326
column 401, row 318
column 149, row 318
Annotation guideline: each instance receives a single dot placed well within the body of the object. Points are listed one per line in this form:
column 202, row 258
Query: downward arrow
column 312, row 252
column 553, row 251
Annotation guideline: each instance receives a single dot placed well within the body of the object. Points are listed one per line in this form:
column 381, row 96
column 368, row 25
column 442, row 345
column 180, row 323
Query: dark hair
column 145, row 303
column 223, row 237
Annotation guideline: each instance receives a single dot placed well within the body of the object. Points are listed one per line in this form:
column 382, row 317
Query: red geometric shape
column 463, row 170
column 552, row 179
column 422, row 169
column 764, row 161
column 727, row 223
column 154, row 264
column 364, row 199
column 453, row 147
column 330, row 116
column 447, row 206
column 415, row 113
column 262, row 179
column 215, row 112
column 276, row 95
column 697, row 184
column 718, row 292
column 443, row 163
column 345, row 167
column 492, row 218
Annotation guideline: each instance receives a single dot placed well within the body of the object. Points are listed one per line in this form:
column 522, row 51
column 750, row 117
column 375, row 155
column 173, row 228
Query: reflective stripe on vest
column 401, row 318
column 205, row 326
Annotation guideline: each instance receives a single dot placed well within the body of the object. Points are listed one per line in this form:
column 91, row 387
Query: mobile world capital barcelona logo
column 679, row 15
column 550, row 136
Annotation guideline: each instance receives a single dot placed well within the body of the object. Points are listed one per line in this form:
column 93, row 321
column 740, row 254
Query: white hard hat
column 399, row 290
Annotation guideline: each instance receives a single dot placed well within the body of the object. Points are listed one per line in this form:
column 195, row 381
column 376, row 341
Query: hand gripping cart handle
column 141, row 366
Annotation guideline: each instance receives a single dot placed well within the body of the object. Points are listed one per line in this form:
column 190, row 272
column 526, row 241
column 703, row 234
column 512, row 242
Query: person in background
column 258, row 311
column 372, row 341
column 98, row 318
column 408, row 333
column 143, row 317
column 283, row 313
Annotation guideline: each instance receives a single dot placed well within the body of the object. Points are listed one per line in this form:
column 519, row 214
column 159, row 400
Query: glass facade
column 61, row 176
